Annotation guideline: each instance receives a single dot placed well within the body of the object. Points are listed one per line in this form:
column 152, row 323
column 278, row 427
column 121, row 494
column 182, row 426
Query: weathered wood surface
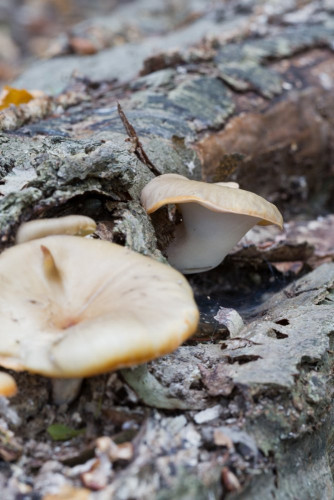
column 238, row 416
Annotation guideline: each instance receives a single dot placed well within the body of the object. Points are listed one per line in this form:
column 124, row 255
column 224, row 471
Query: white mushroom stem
column 65, row 390
column 204, row 237
column 215, row 217
column 75, row 307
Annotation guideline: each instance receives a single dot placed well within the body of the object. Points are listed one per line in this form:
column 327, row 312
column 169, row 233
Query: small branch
column 138, row 147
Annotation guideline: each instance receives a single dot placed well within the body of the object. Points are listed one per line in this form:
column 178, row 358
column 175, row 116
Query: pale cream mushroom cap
column 220, row 197
column 8, row 385
column 214, row 218
column 72, row 307
column 78, row 225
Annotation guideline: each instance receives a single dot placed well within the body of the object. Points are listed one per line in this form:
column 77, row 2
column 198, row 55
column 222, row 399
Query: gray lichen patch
column 19, row 151
column 11, row 209
column 290, row 344
column 164, row 78
column 84, row 150
column 62, row 170
column 96, row 158
column 244, row 65
column 173, row 156
column 133, row 226
column 249, row 398
column 57, row 170
column 284, row 44
column 248, row 75
column 205, row 101
column 192, row 105
column 267, row 353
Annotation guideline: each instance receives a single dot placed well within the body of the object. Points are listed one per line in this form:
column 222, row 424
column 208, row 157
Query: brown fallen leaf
column 230, row 480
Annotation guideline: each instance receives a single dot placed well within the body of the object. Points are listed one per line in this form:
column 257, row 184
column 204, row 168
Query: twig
column 138, row 147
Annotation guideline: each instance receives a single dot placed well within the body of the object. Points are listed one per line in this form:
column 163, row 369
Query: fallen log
column 232, row 414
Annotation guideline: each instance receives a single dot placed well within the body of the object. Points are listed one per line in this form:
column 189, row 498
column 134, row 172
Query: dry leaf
column 14, row 96
column 69, row 493
column 231, row 319
column 230, row 480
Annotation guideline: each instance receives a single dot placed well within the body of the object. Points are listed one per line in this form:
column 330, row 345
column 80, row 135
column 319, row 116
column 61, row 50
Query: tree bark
column 237, row 416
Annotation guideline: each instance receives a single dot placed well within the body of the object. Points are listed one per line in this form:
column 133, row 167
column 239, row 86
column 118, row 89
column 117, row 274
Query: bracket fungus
column 214, row 218
column 74, row 307
column 76, row 225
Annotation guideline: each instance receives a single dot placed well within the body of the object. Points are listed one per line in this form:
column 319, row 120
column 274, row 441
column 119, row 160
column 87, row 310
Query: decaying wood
column 230, row 413
column 232, row 104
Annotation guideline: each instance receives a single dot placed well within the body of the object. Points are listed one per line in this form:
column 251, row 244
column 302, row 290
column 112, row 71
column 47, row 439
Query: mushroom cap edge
column 177, row 189
column 151, row 340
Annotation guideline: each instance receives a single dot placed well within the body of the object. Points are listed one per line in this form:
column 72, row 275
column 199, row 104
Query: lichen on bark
column 251, row 406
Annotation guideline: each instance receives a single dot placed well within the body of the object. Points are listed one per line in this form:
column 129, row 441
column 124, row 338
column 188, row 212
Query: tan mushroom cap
column 72, row 307
column 78, row 225
column 8, row 385
column 174, row 188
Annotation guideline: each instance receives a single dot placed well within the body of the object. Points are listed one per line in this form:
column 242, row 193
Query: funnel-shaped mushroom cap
column 214, row 218
column 72, row 307
column 78, row 225
column 8, row 385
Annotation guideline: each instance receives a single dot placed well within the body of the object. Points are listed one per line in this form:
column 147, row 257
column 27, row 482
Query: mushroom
column 76, row 225
column 8, row 385
column 214, row 218
column 73, row 307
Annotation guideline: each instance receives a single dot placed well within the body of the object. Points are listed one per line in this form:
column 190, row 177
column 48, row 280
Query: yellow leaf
column 14, row 96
